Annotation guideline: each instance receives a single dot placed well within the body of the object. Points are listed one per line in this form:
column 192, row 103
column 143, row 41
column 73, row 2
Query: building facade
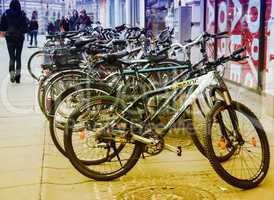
column 113, row 13
column 70, row 5
column 155, row 14
column 91, row 7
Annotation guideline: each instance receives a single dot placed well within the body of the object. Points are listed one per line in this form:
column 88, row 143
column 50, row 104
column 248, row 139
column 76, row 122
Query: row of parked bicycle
column 105, row 95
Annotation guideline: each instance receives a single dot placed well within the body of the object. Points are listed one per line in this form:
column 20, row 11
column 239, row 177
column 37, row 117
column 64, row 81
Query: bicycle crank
column 177, row 150
column 158, row 145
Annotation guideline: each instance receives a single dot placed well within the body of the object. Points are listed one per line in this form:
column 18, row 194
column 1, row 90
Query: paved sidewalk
column 32, row 168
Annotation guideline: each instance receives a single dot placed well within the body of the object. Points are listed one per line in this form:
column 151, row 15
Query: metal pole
column 203, row 3
column 262, row 56
column 216, row 9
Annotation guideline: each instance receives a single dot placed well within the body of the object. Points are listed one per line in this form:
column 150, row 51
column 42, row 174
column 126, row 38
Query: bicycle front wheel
column 234, row 128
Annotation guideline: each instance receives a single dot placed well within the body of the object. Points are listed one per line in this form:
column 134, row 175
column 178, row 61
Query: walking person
column 51, row 28
column 33, row 30
column 58, row 24
column 64, row 24
column 72, row 21
column 14, row 24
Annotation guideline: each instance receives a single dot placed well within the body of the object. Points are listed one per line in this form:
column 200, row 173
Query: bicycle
column 110, row 121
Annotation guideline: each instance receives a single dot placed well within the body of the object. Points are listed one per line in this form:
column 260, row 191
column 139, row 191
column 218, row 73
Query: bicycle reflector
column 49, row 102
column 82, row 135
column 221, row 143
column 45, row 72
column 253, row 142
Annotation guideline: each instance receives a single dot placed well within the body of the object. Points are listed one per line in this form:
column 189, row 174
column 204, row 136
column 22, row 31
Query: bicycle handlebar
column 210, row 66
column 238, row 51
column 235, row 56
column 217, row 35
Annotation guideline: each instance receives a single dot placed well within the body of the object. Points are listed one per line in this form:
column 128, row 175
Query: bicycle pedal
column 179, row 151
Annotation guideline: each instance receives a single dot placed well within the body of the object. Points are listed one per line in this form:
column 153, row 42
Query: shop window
column 158, row 15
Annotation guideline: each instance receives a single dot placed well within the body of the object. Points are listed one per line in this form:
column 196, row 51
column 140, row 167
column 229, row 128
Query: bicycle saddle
column 119, row 42
column 112, row 57
column 82, row 42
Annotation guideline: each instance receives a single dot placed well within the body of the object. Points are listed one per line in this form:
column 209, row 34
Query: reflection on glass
column 159, row 15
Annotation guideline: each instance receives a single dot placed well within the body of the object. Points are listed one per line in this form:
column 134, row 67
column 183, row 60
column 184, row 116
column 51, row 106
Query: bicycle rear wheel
column 66, row 103
column 59, row 83
column 243, row 135
column 110, row 155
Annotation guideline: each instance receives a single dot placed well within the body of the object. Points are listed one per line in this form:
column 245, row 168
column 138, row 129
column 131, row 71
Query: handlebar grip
column 177, row 48
column 239, row 58
column 238, row 51
column 222, row 33
column 188, row 41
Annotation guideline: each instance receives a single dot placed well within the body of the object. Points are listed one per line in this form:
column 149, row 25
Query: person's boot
column 17, row 78
column 12, row 76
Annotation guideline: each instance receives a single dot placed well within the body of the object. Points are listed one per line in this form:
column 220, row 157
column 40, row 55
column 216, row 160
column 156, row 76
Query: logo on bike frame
column 184, row 84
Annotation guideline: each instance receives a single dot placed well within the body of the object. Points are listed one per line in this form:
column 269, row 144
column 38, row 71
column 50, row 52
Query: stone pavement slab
column 23, row 192
column 21, row 134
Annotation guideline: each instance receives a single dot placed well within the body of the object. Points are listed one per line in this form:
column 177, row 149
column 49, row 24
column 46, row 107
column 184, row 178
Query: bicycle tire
column 198, row 138
column 57, row 77
column 34, row 76
column 217, row 165
column 60, row 99
column 78, row 164
column 40, row 95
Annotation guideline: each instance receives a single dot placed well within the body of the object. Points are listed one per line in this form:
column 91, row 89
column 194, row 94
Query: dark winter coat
column 33, row 25
column 83, row 22
column 57, row 25
column 51, row 28
column 65, row 24
column 14, row 22
column 72, row 23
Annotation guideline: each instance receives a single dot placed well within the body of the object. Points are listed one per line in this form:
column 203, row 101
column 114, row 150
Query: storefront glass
column 158, row 14
column 241, row 18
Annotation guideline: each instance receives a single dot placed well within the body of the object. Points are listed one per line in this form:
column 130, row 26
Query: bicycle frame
column 203, row 82
column 122, row 73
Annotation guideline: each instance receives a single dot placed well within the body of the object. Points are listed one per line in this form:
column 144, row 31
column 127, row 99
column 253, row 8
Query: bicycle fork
column 233, row 117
